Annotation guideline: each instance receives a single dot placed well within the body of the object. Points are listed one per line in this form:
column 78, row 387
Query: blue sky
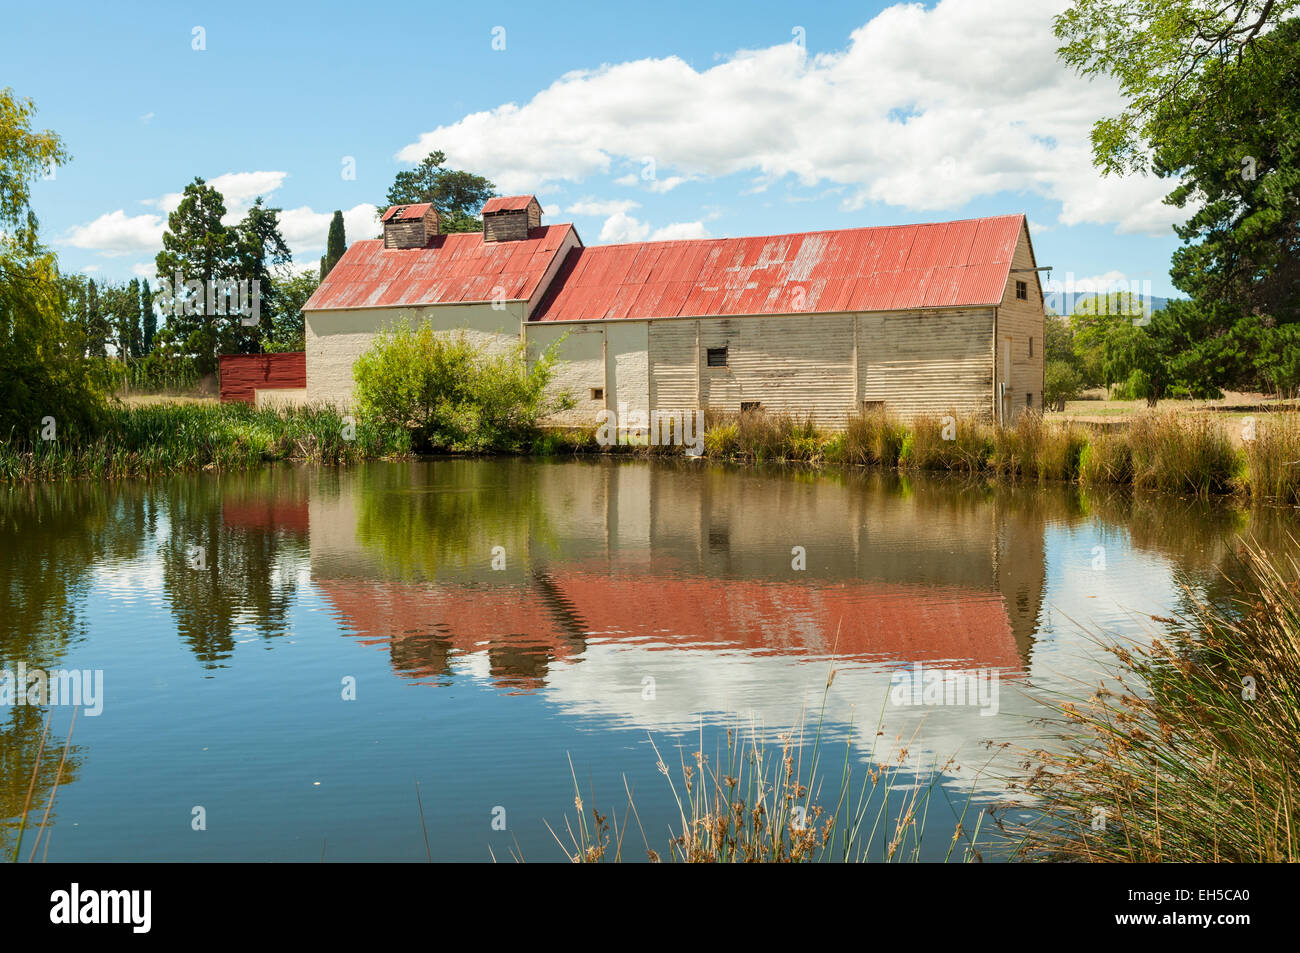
column 632, row 121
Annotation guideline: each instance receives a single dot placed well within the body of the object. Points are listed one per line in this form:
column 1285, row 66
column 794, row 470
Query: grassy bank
column 165, row 438
column 1193, row 755
column 1171, row 452
column 1176, row 453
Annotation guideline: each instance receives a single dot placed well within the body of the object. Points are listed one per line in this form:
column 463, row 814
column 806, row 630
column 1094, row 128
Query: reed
column 874, row 438
column 1105, row 458
column 946, row 443
column 1192, row 752
column 1182, row 453
column 758, row 802
column 162, row 438
column 1272, row 464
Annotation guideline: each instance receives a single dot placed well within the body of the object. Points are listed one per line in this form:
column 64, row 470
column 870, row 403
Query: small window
column 1031, row 347
column 750, row 405
column 873, row 406
column 717, row 357
column 1029, row 400
column 598, row 393
column 1022, row 290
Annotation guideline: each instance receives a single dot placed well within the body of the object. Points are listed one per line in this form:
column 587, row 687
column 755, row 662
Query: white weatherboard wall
column 915, row 362
column 335, row 339
column 605, row 356
column 928, row 362
column 1019, row 323
column 822, row 366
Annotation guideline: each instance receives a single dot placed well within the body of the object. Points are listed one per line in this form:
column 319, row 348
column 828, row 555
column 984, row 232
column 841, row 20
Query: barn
column 913, row 319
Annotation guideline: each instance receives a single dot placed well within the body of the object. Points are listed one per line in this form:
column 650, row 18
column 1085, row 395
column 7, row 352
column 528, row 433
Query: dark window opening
column 747, row 405
column 1031, row 347
column 873, row 406
column 598, row 393
column 1022, row 290
column 717, row 357
column 1029, row 400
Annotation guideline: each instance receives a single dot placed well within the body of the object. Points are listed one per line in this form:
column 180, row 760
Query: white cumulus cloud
column 923, row 108
column 621, row 227
column 306, row 230
column 591, row 206
column 239, row 189
column 116, row 233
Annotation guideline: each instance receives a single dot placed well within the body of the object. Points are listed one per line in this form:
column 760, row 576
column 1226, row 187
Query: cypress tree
column 96, row 324
column 132, row 307
column 335, row 245
column 149, row 324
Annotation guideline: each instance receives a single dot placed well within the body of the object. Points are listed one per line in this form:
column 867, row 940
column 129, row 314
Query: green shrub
column 165, row 438
column 1061, row 382
column 451, row 394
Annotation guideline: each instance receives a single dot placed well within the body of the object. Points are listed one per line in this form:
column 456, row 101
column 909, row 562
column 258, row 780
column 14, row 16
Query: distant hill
column 1121, row 302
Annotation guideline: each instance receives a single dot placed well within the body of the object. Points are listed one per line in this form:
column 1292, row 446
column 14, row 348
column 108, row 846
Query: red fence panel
column 244, row 374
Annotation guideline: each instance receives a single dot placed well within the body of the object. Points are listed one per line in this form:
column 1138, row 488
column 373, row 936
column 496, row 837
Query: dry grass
column 1176, row 453
column 1194, row 755
column 1273, row 458
column 1182, row 453
column 758, row 803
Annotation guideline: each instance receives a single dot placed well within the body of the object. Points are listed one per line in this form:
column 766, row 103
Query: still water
column 286, row 654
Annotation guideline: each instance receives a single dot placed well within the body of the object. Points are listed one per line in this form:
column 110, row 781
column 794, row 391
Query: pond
column 304, row 663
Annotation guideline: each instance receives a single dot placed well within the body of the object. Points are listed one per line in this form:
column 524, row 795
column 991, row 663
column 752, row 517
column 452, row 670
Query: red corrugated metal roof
column 860, row 619
column 888, row 268
column 403, row 213
column 452, row 268
column 507, row 203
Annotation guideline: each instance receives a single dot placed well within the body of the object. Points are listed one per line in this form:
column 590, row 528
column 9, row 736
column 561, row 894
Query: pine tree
column 200, row 248
column 260, row 250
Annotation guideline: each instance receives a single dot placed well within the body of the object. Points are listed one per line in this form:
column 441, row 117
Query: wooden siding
column 242, row 375
column 917, row 362
column 1018, row 321
column 672, row 362
column 506, row 226
column 927, row 362
column 411, row 234
column 801, row 365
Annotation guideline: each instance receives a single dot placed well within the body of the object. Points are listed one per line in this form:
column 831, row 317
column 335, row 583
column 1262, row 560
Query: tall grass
column 756, row 802
column 1182, row 453
column 1273, row 458
column 163, row 438
column 1190, row 454
column 874, row 438
column 946, row 443
column 1194, row 754
column 1106, row 458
